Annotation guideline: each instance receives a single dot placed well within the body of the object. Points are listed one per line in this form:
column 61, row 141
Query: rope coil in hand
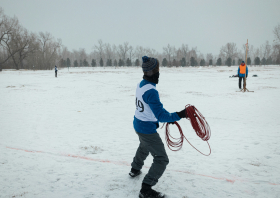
column 199, row 125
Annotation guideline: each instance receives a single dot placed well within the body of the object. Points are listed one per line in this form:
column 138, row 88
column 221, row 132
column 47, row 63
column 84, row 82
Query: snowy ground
column 73, row 137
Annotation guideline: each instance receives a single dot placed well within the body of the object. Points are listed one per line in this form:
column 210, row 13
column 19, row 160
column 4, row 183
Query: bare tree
column 114, row 51
column 179, row 54
column 185, row 50
column 7, row 26
column 122, row 50
column 192, row 53
column 265, row 50
column 65, row 53
column 168, row 51
column 20, row 45
column 92, row 55
column 276, row 32
column 131, row 52
column 48, row 50
column 139, row 52
column 276, row 53
column 32, row 60
column 229, row 51
column 108, row 51
column 209, row 57
column 200, row 57
column 254, row 52
column 76, row 55
column 82, row 54
column 99, row 48
column 174, row 52
column 276, row 46
column 150, row 52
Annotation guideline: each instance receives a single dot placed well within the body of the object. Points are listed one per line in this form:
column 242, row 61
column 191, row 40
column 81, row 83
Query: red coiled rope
column 199, row 125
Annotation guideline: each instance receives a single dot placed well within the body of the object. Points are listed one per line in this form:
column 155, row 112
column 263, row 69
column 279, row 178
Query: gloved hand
column 182, row 114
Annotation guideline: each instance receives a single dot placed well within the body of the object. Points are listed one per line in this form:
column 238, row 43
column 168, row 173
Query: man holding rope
column 149, row 112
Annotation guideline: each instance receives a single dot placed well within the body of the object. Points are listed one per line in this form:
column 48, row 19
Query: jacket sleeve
column 151, row 97
column 246, row 71
column 238, row 71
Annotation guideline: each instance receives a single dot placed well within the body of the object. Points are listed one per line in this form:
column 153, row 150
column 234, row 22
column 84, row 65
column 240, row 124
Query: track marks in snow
column 123, row 163
column 92, row 149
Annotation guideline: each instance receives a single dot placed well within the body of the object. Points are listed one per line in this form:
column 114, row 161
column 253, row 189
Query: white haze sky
column 205, row 24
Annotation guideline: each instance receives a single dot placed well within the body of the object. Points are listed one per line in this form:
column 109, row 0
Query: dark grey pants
column 240, row 79
column 151, row 143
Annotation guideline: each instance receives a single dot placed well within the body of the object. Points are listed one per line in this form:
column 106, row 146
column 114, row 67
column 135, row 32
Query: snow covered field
column 73, row 137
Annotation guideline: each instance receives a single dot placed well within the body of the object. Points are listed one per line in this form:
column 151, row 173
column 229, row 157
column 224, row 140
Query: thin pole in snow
column 246, row 65
column 244, row 87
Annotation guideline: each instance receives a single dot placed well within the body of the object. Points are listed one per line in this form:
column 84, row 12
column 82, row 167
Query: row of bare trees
column 265, row 51
column 21, row 49
column 171, row 54
column 175, row 56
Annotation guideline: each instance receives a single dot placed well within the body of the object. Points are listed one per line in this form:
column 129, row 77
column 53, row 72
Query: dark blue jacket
column 151, row 97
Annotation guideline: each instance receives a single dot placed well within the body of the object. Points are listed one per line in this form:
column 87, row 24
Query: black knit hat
column 148, row 63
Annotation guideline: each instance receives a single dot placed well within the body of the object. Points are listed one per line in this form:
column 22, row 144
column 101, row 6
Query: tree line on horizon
column 22, row 49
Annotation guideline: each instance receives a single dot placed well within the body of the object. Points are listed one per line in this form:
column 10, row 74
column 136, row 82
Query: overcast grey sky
column 205, row 24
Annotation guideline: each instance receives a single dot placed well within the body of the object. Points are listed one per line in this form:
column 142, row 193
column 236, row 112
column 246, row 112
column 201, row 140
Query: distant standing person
column 242, row 69
column 55, row 68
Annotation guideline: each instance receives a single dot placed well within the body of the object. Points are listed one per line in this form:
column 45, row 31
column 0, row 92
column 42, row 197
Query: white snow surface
column 73, row 136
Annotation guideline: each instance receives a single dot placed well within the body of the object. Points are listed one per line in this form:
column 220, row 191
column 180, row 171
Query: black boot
column 134, row 172
column 148, row 192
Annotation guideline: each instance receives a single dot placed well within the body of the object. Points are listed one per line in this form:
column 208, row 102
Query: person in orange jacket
column 242, row 69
